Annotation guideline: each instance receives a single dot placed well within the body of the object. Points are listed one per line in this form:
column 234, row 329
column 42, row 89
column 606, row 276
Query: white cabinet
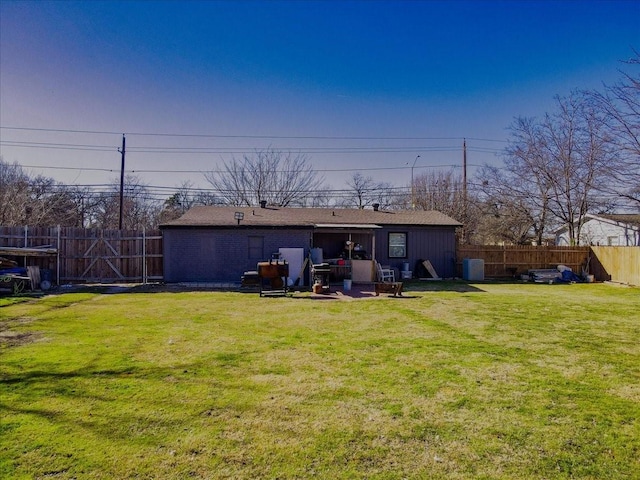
column 362, row 271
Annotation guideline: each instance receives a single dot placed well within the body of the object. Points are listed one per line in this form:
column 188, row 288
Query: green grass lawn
column 500, row 381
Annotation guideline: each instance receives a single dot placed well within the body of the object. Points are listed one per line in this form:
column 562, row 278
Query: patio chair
column 385, row 274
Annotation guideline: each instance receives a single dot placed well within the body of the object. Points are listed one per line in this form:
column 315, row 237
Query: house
column 605, row 229
column 219, row 244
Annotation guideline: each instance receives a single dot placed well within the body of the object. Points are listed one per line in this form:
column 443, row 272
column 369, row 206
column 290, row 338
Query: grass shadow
column 459, row 286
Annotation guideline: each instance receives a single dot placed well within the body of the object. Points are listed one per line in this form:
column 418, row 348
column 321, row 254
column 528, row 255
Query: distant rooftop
column 211, row 216
column 629, row 218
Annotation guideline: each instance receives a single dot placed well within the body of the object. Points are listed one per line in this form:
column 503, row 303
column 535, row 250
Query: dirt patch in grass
column 365, row 291
column 11, row 338
column 15, row 339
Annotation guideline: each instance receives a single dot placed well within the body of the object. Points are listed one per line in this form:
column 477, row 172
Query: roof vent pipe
column 263, row 204
column 376, row 206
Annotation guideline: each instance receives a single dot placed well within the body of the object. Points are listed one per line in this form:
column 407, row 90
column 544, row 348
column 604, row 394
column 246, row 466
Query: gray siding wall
column 436, row 244
column 597, row 232
column 221, row 255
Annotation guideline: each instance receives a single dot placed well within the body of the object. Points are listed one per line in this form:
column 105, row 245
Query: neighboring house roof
column 210, row 216
column 631, row 220
column 623, row 218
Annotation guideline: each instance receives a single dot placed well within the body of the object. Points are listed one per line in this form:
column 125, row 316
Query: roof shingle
column 211, row 216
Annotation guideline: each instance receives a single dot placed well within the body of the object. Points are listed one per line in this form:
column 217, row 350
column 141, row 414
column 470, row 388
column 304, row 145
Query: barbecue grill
column 321, row 273
column 273, row 277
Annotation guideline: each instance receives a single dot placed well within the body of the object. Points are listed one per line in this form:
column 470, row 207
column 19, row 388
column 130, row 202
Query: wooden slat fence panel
column 513, row 260
column 92, row 255
column 618, row 264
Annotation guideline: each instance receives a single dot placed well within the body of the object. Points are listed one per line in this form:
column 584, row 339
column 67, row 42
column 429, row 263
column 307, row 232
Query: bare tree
column 555, row 167
column 580, row 160
column 365, row 192
column 14, row 194
column 279, row 178
column 441, row 191
column 620, row 104
column 320, row 198
column 39, row 200
column 139, row 208
column 514, row 197
column 505, row 211
column 52, row 203
column 185, row 197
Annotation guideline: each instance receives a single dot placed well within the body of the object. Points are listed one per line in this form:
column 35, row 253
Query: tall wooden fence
column 618, row 264
column 90, row 255
column 513, row 260
column 111, row 256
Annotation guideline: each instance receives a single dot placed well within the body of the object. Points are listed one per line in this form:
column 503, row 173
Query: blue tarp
column 14, row 270
column 569, row 276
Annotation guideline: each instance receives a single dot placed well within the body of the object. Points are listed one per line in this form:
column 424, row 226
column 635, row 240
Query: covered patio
column 349, row 249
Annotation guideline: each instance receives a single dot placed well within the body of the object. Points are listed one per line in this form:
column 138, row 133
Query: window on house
column 256, row 248
column 397, row 245
column 612, row 241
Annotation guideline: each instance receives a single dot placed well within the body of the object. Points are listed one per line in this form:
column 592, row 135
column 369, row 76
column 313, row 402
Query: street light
column 413, row 194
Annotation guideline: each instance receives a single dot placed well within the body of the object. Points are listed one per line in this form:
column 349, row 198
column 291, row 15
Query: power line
column 56, row 147
column 78, row 169
column 324, row 170
column 315, row 150
column 278, row 137
column 228, row 150
column 160, row 193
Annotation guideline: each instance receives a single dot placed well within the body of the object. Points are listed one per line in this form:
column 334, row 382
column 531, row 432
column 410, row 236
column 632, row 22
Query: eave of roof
column 632, row 220
column 347, row 226
column 210, row 216
column 625, row 220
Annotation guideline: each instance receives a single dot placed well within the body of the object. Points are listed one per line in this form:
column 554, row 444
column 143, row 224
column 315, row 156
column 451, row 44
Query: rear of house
column 219, row 244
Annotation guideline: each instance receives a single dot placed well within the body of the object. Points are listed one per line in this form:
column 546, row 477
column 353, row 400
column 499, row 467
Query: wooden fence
column 618, row 264
column 513, row 260
column 90, row 255
column 112, row 256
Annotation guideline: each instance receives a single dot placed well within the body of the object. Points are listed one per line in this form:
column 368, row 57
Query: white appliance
column 294, row 257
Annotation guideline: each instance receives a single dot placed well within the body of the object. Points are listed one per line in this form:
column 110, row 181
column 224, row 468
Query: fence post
column 58, row 258
column 144, row 256
column 26, row 244
column 504, row 258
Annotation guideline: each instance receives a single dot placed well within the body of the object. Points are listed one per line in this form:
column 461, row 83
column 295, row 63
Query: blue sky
column 368, row 84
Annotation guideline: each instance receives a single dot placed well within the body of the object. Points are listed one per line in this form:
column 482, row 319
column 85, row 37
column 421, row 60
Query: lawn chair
column 387, row 281
column 385, row 275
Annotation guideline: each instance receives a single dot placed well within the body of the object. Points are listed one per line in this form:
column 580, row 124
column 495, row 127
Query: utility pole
column 413, row 189
column 464, row 173
column 122, row 151
column 464, row 186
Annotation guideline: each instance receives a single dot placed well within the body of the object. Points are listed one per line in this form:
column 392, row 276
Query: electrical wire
column 226, row 150
column 323, row 170
column 264, row 137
